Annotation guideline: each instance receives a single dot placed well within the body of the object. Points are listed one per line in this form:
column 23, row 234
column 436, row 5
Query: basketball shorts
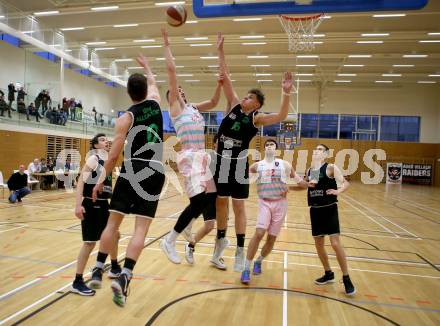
column 271, row 215
column 95, row 219
column 134, row 194
column 325, row 220
column 232, row 178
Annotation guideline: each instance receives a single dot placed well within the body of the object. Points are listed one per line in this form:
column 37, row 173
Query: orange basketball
column 176, row 15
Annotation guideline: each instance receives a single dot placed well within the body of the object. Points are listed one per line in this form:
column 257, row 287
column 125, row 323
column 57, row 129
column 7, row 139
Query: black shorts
column 95, row 219
column 325, row 220
column 209, row 213
column 139, row 197
column 232, row 178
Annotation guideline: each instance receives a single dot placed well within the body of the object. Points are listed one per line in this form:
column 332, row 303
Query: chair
column 3, row 185
column 31, row 182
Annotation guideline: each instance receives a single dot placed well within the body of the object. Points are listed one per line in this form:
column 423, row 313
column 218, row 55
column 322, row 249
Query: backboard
column 225, row 8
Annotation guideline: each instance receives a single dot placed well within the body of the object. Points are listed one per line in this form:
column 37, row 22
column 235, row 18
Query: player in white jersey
column 273, row 175
column 192, row 160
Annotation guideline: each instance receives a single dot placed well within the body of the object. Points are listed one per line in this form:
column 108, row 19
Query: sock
column 78, row 277
column 240, row 240
column 129, row 264
column 115, row 264
column 345, row 276
column 100, row 259
column 260, row 258
column 247, row 264
column 221, row 234
column 172, row 236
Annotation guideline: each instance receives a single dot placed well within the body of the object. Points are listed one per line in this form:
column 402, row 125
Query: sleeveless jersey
column 235, row 133
column 190, row 129
column 145, row 136
column 271, row 182
column 93, row 178
column 317, row 196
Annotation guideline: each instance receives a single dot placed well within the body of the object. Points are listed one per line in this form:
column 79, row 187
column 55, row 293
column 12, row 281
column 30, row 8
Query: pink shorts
column 272, row 214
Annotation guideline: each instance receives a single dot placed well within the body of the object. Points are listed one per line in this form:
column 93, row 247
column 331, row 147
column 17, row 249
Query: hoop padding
column 300, row 31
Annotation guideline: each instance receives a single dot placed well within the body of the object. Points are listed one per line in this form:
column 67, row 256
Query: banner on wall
column 394, row 173
column 417, row 173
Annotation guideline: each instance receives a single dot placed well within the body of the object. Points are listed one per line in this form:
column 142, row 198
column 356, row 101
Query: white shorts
column 194, row 166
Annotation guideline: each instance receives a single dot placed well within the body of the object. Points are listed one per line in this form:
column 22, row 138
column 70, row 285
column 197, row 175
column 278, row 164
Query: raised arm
column 153, row 91
column 212, row 103
column 228, row 89
column 272, row 118
column 176, row 102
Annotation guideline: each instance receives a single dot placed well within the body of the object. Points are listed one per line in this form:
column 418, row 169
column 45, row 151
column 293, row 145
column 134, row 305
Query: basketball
column 176, row 15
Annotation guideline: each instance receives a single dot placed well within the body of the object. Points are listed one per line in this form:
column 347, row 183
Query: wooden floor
column 391, row 235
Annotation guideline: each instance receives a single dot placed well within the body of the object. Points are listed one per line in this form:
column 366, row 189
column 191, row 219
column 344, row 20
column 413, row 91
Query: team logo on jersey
column 232, row 116
column 245, row 120
column 277, row 163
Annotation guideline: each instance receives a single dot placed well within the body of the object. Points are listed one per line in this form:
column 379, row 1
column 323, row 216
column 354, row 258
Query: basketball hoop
column 300, row 31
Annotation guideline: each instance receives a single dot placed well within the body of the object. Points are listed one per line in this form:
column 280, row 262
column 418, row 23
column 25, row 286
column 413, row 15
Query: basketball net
column 300, row 31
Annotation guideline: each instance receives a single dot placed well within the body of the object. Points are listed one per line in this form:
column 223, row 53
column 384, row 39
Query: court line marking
column 18, row 227
column 50, row 294
column 370, row 218
column 312, row 265
column 12, row 292
column 418, row 205
column 55, row 292
column 381, row 216
column 285, row 292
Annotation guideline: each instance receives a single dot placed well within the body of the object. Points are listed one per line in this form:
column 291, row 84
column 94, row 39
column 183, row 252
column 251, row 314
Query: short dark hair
column 270, row 140
column 137, row 87
column 95, row 140
column 325, row 146
column 215, row 138
column 259, row 94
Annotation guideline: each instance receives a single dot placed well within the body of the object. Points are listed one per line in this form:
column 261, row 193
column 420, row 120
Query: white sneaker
column 220, row 246
column 189, row 254
column 170, row 250
column 239, row 260
column 187, row 234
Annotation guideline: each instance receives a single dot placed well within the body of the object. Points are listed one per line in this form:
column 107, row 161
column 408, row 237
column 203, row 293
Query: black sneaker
column 19, row 200
column 114, row 272
column 81, row 288
column 349, row 287
column 120, row 289
column 96, row 281
column 328, row 277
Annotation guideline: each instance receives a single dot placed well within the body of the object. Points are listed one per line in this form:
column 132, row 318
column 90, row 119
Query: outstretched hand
column 142, row 60
column 287, row 82
column 220, row 41
column 166, row 42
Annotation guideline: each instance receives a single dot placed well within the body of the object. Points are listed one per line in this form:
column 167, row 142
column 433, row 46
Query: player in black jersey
column 93, row 216
column 140, row 182
column 326, row 183
column 237, row 129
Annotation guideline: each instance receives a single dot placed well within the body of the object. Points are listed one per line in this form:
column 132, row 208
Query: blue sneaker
column 257, row 268
column 245, row 276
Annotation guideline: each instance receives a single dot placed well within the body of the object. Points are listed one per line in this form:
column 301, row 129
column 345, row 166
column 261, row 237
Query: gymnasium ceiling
column 339, row 42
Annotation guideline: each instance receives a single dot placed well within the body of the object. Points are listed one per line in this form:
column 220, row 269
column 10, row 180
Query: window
column 348, row 125
column 309, row 125
column 271, row 130
column 398, row 128
column 328, row 126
